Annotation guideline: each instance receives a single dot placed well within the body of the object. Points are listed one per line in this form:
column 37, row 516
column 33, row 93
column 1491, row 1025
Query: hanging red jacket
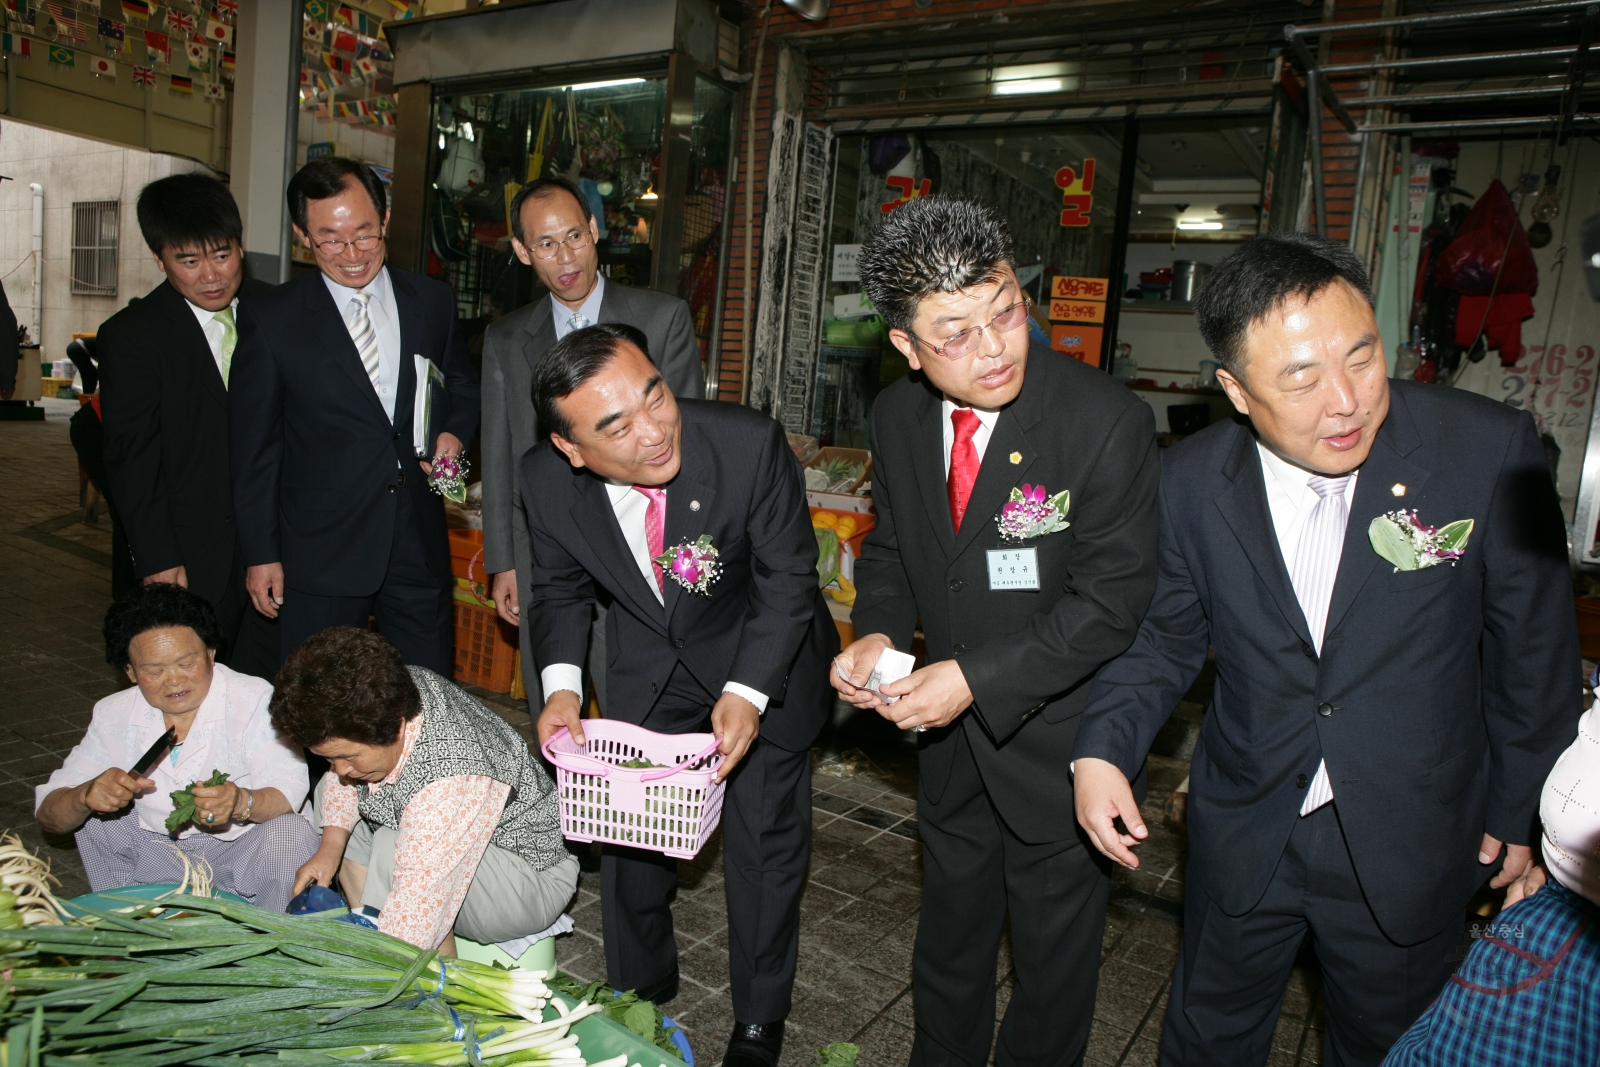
column 1490, row 263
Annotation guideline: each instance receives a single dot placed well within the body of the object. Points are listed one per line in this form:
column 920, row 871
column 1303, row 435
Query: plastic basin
column 102, row 902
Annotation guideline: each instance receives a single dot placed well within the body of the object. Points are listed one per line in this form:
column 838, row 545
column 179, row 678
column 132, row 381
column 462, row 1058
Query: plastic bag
column 1490, row 232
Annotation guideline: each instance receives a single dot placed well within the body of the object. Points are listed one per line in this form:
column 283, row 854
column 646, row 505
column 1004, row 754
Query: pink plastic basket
column 671, row 809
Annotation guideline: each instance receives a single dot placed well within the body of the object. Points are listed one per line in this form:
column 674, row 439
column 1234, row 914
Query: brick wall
column 1341, row 151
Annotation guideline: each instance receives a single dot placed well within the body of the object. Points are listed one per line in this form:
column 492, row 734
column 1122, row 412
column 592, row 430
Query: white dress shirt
column 980, row 436
column 1290, row 500
column 589, row 309
column 1569, row 807
column 630, row 507
column 232, row 732
column 213, row 329
column 385, row 319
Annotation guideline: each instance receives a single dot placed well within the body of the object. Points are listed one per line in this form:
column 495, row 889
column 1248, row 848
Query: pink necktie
column 655, row 527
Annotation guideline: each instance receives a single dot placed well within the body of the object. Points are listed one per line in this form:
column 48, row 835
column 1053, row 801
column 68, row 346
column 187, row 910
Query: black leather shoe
column 661, row 992
column 754, row 1045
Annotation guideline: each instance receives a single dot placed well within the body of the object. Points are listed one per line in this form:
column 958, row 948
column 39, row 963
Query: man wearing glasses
column 1015, row 491
column 554, row 231
column 330, row 490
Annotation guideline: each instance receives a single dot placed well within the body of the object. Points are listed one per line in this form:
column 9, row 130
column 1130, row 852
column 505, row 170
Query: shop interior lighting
column 1198, row 224
column 1030, row 85
column 605, row 84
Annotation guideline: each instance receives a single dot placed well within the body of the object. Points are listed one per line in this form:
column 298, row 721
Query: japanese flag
column 219, row 32
column 103, row 67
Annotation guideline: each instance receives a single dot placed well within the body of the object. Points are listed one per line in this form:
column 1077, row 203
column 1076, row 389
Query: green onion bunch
column 191, row 980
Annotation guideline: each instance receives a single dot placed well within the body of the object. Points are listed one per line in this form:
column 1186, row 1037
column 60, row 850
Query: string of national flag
column 203, row 36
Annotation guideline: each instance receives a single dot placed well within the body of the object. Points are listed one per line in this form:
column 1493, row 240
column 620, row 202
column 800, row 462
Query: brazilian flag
column 62, row 56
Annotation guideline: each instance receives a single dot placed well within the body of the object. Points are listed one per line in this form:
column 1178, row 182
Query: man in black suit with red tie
column 335, row 513
column 1015, row 497
column 629, row 473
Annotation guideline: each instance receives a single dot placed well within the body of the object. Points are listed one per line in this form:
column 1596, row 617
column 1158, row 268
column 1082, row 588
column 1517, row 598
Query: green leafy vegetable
column 838, row 1054
column 625, row 1009
column 828, row 552
column 840, row 472
column 639, row 763
column 183, row 803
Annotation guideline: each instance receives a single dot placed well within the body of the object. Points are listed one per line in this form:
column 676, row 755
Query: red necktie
column 964, row 463
column 655, row 527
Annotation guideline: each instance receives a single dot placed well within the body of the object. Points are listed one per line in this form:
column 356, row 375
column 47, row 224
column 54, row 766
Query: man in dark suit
column 1382, row 724
column 165, row 364
column 336, row 516
column 1020, row 601
column 554, row 232
column 629, row 473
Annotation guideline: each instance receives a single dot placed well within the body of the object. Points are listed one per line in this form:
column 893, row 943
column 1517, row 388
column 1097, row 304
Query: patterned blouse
column 443, row 835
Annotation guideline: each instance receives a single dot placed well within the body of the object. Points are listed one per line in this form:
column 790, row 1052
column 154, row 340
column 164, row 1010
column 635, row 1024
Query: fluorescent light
column 604, row 85
column 1032, row 85
column 1184, row 224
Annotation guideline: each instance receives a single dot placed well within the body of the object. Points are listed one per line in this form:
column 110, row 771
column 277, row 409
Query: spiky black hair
column 934, row 244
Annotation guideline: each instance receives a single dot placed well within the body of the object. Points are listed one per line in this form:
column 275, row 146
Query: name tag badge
column 1014, row 568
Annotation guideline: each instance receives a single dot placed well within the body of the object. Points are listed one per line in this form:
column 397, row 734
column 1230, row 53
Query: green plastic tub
column 600, row 1039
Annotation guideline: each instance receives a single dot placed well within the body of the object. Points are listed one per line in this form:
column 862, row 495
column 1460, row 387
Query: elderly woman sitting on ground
column 165, row 638
column 435, row 816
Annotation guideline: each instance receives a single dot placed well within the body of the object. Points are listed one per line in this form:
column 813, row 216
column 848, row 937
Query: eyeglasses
column 966, row 342
column 545, row 248
column 361, row 244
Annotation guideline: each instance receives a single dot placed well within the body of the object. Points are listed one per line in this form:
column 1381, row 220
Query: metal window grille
column 95, row 227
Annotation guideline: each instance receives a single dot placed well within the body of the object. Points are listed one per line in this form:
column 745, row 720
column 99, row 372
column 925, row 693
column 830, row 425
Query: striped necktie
column 359, row 323
column 230, row 340
column 1316, row 565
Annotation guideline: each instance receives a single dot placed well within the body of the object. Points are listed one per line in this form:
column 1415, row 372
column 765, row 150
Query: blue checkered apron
column 1527, row 995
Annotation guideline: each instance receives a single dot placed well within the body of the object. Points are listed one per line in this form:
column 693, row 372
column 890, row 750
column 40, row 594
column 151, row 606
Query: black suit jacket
column 764, row 623
column 1025, row 655
column 165, row 411
column 314, row 455
column 1442, row 696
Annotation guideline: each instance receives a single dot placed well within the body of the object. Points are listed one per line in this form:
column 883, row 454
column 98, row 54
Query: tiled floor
column 859, row 914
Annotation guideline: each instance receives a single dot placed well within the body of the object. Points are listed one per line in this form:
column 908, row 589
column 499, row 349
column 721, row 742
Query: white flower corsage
column 692, row 565
column 1404, row 541
column 1029, row 513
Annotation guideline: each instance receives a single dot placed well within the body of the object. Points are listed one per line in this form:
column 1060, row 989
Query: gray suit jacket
column 511, row 348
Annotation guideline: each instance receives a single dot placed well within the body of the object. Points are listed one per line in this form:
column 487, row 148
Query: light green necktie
column 230, row 338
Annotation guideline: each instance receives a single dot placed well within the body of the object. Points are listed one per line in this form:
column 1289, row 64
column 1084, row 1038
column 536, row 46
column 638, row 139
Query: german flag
column 183, row 85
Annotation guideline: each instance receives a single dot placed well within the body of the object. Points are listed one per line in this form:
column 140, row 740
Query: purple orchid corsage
column 449, row 478
column 1030, row 513
column 1405, row 541
column 692, row 564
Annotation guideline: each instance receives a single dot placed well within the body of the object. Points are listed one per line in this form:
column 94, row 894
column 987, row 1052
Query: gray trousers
column 260, row 866
column 507, row 898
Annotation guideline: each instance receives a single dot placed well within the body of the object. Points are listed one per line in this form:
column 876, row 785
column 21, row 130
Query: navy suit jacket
column 317, row 465
column 1442, row 695
column 763, row 624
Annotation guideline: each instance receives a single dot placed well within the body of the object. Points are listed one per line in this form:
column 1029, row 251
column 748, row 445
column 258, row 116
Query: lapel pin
column 1016, row 457
column 694, row 505
column 1398, row 489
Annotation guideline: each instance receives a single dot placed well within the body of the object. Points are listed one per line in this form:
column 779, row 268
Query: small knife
column 153, row 755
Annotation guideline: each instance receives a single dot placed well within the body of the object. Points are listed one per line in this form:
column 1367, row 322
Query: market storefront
column 1128, row 156
column 625, row 98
